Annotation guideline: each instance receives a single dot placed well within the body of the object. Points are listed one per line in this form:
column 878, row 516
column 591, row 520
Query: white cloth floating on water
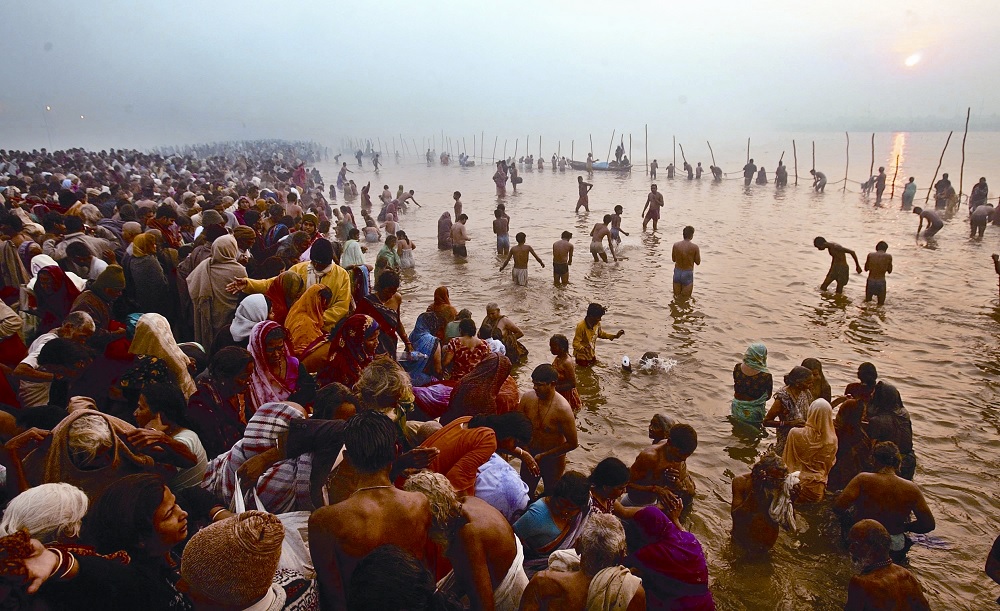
column 782, row 511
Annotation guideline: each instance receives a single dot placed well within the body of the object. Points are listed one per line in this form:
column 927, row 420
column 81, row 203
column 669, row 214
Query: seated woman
column 158, row 359
column 812, row 450
column 146, row 283
column 252, row 310
column 554, row 522
column 351, row 351
column 790, row 405
column 671, row 561
column 283, row 293
column 424, row 338
column 443, row 308
column 463, row 353
column 305, row 327
column 820, row 388
column 383, row 306
column 277, row 375
column 54, row 296
column 283, row 487
column 223, row 404
column 163, row 408
column 752, row 386
column 487, row 389
column 608, row 482
column 212, row 304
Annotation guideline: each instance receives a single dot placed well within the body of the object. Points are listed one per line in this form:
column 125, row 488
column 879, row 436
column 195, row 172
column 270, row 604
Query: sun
column 912, row 60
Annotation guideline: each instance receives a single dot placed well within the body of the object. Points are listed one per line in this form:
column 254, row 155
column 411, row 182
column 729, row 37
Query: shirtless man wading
column 553, row 428
column 839, row 270
column 520, row 255
column 597, row 236
column 878, row 264
column 584, row 187
column 562, row 258
column 685, row 255
column 654, row 201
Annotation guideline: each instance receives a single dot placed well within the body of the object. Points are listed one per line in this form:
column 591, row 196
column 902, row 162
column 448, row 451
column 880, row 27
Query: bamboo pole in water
column 892, row 191
column 539, row 147
column 379, row 146
column 612, row 143
column 591, row 145
column 711, row 151
column 748, row 150
column 647, row 149
column 482, row 143
column 572, row 143
column 674, row 138
column 847, row 164
column 465, row 149
column 559, row 150
column 630, row 149
column 516, row 140
column 927, row 199
column 961, row 171
column 795, row 156
column 871, row 168
column 682, row 153
column 814, row 155
column 505, row 149
column 395, row 151
column 494, row 158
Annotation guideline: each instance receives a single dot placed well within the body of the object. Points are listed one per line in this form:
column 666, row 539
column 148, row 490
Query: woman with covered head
column 425, row 339
column 752, row 385
column 487, row 389
column 54, row 296
column 252, row 310
column 277, row 374
column 283, row 293
column 812, row 450
column 820, row 388
column 283, row 487
column 213, row 304
column 99, row 300
column 305, row 327
column 223, row 403
column 670, row 561
column 352, row 349
column 790, row 405
column 146, row 283
column 159, row 359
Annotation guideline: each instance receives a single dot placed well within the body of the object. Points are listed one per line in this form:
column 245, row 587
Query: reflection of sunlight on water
column 898, row 156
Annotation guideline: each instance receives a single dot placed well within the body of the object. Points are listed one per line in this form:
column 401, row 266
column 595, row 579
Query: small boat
column 601, row 166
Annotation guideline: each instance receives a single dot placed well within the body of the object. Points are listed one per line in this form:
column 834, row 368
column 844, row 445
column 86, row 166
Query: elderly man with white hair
column 51, row 513
column 35, row 378
column 601, row 583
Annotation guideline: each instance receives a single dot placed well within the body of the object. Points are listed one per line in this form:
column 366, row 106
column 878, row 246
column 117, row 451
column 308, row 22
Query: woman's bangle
column 69, row 569
column 216, row 513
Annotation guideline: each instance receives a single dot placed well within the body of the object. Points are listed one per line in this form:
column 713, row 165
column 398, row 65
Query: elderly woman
column 283, row 487
column 790, row 404
column 51, row 513
column 252, row 310
column 812, row 450
column 213, row 304
column 752, row 385
column 277, row 374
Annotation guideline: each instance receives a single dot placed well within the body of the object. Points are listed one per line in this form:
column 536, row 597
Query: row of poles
column 452, row 147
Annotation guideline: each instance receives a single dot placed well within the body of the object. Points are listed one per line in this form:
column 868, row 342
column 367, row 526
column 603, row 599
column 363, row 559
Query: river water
column 937, row 338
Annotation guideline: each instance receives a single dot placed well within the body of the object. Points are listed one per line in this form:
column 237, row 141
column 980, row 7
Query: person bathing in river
column 520, row 255
column 878, row 264
column 790, row 405
column 934, row 222
column 566, row 368
column 663, row 465
column 754, row 526
column 839, row 270
column 752, row 386
column 685, row 255
column 587, row 332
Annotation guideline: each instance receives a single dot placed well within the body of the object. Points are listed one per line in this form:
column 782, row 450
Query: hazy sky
column 148, row 73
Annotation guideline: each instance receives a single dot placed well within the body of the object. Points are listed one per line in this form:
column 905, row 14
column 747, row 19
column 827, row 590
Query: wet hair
column 545, row 374
column 331, row 397
column 601, row 544
column 370, row 441
column 608, row 218
column 520, row 237
column 867, row 373
column 768, row 462
column 467, row 327
column 619, row 209
column 167, row 400
column 392, row 579
column 688, row 232
column 122, row 517
column 498, row 213
column 443, row 499
column 566, row 235
column 684, row 438
column 596, row 310
column 819, row 241
column 382, row 384
column 561, row 341
column 886, row 454
column 609, row 473
column 456, row 195
column 353, row 234
column 917, row 210
column 229, row 362
column 388, row 279
column 882, row 246
column 510, row 425
column 463, row 217
column 573, row 487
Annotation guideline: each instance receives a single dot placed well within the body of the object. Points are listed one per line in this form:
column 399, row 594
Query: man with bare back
column 562, row 258
column 654, row 201
column 597, row 236
column 520, row 255
column 685, row 255
column 839, row 270
column 553, row 428
column 878, row 264
column 584, row 188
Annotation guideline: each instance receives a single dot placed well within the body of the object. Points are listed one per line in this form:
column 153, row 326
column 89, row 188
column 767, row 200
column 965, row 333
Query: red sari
column 348, row 353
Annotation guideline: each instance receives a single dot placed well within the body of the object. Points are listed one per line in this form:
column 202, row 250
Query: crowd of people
column 206, row 406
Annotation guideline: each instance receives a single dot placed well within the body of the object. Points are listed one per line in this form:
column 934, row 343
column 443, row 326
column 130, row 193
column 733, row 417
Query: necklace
column 370, row 488
column 876, row 566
